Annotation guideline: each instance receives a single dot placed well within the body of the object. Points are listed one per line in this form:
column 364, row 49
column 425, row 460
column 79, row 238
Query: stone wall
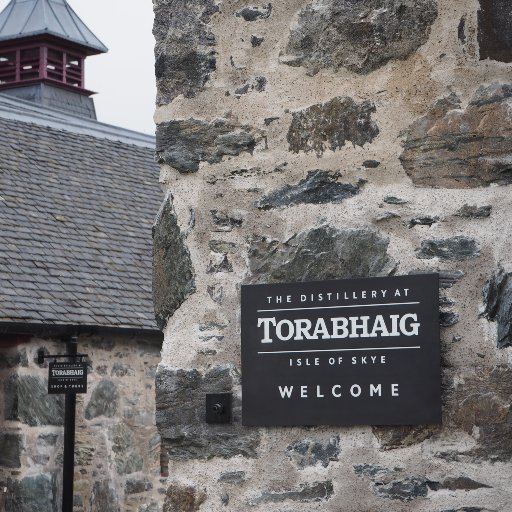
column 321, row 139
column 117, row 455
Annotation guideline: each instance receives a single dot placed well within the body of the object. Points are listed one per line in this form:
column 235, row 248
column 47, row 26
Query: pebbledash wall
column 117, row 453
column 322, row 139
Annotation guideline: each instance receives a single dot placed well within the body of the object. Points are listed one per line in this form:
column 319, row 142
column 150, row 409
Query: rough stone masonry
column 327, row 139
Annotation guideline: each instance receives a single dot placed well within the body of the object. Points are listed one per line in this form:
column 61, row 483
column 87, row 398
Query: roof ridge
column 28, row 112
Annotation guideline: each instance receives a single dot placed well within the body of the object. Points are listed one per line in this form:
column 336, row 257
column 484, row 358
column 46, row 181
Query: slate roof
column 24, row 18
column 76, row 212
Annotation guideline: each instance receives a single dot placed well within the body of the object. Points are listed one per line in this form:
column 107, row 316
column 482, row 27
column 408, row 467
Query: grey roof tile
column 76, row 220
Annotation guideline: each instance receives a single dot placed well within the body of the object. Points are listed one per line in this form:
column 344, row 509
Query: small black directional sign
column 67, row 378
column 348, row 352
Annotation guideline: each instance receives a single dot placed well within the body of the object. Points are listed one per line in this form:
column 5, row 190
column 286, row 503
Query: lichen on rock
column 185, row 47
column 454, row 147
column 184, row 144
column 183, row 498
column 320, row 253
column 482, row 403
column 330, row 125
column 360, row 35
column 173, row 274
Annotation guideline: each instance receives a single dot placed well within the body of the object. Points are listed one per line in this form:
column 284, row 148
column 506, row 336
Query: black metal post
column 69, row 439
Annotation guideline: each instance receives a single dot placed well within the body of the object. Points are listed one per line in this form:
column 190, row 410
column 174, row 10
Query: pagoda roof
column 28, row 18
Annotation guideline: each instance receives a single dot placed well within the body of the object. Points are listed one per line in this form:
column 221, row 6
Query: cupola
column 43, row 47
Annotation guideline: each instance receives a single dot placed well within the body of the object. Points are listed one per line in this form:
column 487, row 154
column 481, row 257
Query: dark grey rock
column 102, row 369
column 225, row 221
column 256, row 41
column 183, row 144
column 461, row 30
column 137, row 485
column 47, row 439
column 462, row 148
column 495, row 30
column 36, row 493
column 84, row 455
column 425, row 220
column 459, row 483
column 474, row 212
column 11, row 358
column 27, row 400
column 371, row 164
column 243, row 89
column 173, row 274
column 360, row 35
column 395, row 200
column 447, row 278
column 222, row 247
column 468, row 509
column 391, row 438
column 387, row 215
column 104, row 498
column 330, row 125
column 150, row 507
column 232, row 477
column 121, row 370
column 370, row 470
column 269, row 120
column 104, row 400
column 219, row 264
column 181, row 498
column 255, row 13
column 310, row 452
column 319, row 187
column 180, row 416
column 185, row 47
column 208, row 326
column 306, row 493
column 448, row 318
column 407, row 489
column 497, row 295
column 127, row 458
column 260, row 83
column 216, row 293
column 11, row 446
column 41, row 460
column 319, row 254
column 457, row 248
column 224, row 499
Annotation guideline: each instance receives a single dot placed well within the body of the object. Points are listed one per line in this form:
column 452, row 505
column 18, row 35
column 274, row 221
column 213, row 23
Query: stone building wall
column 320, row 139
column 117, row 455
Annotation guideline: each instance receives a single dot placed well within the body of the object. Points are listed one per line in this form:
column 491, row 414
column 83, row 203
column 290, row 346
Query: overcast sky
column 123, row 77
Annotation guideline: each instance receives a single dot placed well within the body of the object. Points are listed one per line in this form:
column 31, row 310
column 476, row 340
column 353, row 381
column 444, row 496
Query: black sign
column 67, row 378
column 357, row 351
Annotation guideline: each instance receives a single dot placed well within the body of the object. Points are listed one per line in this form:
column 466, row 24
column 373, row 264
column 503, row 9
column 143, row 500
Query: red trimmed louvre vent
column 41, row 62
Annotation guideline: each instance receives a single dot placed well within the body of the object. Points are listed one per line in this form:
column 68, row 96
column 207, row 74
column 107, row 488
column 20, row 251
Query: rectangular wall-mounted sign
column 67, row 378
column 348, row 352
